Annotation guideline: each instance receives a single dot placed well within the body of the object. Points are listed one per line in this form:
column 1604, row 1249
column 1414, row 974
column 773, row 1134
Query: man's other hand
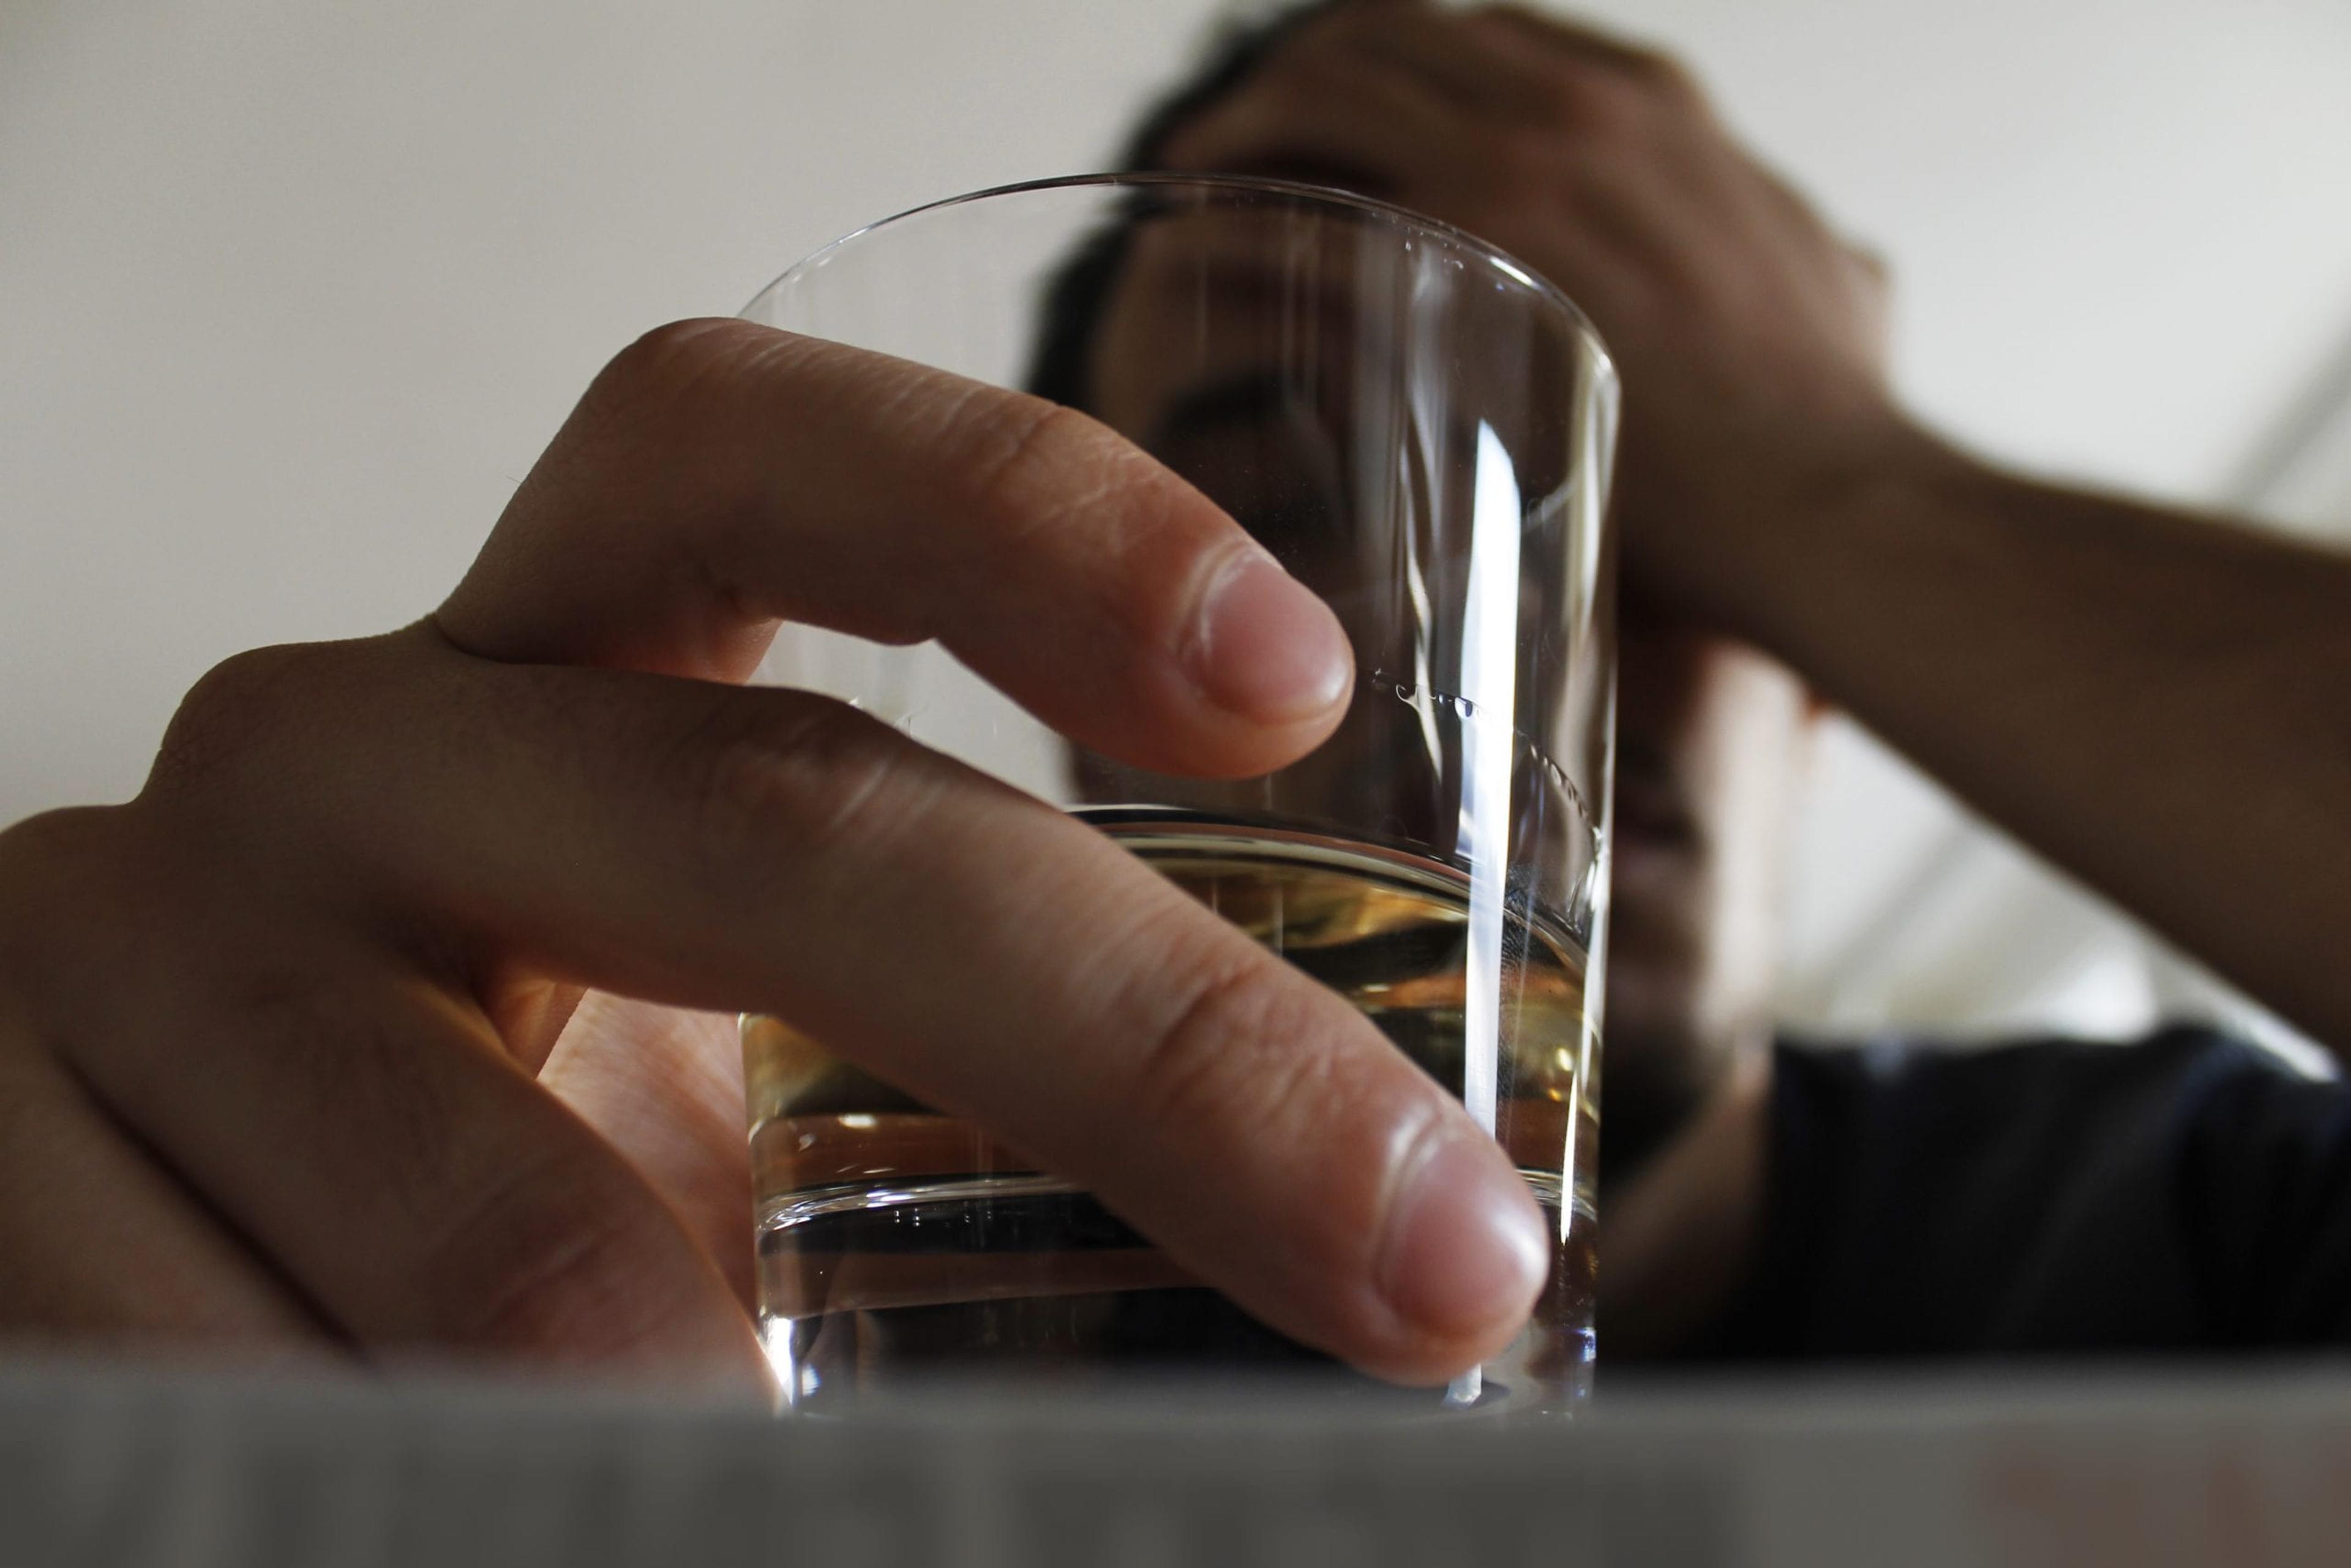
column 1749, row 336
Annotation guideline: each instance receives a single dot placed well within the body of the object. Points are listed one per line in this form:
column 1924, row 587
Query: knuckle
column 1248, row 1048
column 1611, row 103
column 231, row 710
column 1663, row 75
column 1035, row 464
column 776, row 778
column 679, row 353
column 675, row 370
column 673, row 414
column 1623, row 92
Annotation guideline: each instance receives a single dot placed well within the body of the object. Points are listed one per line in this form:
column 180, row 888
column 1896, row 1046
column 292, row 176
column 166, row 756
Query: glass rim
column 1492, row 254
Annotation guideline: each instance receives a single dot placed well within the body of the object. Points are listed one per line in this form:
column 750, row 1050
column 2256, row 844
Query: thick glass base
column 874, row 1288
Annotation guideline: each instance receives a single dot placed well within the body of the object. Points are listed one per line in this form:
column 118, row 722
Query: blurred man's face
column 1713, row 742
column 1711, row 735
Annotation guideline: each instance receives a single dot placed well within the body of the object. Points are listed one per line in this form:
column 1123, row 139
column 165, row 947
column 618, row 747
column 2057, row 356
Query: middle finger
column 768, row 850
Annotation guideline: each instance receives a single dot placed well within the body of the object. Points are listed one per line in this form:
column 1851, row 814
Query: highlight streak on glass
column 1490, row 681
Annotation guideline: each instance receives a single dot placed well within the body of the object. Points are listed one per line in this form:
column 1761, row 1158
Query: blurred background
column 291, row 295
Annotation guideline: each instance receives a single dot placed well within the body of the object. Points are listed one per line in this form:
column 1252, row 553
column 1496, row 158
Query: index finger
column 720, row 476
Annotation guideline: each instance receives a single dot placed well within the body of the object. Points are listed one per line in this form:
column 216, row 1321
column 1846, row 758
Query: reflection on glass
column 1420, row 432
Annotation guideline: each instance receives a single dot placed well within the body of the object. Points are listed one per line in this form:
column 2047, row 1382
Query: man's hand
column 269, row 1035
column 2145, row 697
column 1749, row 337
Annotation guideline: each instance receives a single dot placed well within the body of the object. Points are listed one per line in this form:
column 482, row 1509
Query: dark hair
column 1074, row 297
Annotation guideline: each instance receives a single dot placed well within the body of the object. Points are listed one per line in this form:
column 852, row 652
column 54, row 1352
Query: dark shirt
column 2190, row 1192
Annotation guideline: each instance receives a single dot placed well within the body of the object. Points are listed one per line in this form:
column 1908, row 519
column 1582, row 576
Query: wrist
column 1770, row 548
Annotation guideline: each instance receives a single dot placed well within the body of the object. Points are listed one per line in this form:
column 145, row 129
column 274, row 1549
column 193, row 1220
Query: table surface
column 124, row 1464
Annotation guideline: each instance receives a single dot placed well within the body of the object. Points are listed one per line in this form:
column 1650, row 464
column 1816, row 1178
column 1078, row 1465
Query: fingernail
column 1466, row 1244
column 1266, row 648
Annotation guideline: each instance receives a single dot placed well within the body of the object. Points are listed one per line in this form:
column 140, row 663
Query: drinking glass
column 1420, row 430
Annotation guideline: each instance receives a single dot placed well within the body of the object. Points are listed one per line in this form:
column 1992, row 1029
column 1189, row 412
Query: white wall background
column 291, row 294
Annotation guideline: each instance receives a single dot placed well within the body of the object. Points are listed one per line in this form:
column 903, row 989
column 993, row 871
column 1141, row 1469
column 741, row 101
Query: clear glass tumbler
column 1421, row 431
